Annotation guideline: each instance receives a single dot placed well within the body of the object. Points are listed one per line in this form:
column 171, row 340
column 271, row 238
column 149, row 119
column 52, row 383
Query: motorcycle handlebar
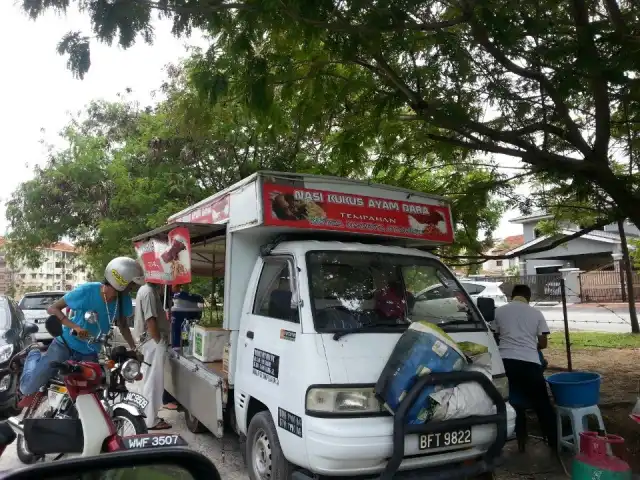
column 65, row 368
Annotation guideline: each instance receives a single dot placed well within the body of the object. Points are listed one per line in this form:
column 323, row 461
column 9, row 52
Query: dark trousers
column 167, row 398
column 528, row 380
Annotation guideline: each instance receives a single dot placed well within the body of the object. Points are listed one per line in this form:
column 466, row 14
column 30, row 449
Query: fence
column 544, row 287
column 607, row 286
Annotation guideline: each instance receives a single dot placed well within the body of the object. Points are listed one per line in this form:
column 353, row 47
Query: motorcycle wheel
column 123, row 418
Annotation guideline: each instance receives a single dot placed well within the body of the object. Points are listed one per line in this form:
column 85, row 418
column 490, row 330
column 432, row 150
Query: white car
column 441, row 300
column 34, row 306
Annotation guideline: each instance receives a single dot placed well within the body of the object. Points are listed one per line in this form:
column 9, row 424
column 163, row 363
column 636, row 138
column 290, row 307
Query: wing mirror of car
column 487, row 307
column 53, row 326
column 176, row 463
column 30, row 328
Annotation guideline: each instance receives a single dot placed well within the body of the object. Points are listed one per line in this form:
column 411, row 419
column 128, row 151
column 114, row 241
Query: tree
column 128, row 168
column 538, row 80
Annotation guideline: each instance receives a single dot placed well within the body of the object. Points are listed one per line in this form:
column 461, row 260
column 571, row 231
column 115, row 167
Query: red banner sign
column 210, row 213
column 323, row 210
column 167, row 263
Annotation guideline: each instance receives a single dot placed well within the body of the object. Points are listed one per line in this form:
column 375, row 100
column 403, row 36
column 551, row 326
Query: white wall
column 532, row 264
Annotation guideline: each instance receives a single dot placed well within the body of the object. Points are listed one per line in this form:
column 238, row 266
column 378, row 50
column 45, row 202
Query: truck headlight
column 342, row 400
column 502, row 385
column 5, row 353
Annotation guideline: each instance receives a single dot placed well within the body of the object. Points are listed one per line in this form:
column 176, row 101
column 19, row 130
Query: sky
column 38, row 93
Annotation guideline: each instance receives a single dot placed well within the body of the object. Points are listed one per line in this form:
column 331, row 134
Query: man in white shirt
column 521, row 331
column 151, row 318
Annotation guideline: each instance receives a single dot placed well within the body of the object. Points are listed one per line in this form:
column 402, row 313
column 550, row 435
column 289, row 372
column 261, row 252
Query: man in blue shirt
column 96, row 306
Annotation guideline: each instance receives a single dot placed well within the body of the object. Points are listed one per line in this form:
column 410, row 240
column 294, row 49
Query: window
column 473, row 288
column 38, row 302
column 334, row 281
column 536, row 232
column 498, row 263
column 275, row 296
column 367, row 291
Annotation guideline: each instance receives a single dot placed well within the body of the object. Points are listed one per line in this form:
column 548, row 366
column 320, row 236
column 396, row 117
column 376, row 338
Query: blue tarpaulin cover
column 422, row 349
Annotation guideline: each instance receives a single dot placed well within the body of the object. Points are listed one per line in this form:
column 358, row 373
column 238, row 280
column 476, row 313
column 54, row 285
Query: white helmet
column 122, row 271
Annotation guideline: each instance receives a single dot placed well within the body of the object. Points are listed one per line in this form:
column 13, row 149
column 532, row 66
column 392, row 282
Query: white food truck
column 303, row 259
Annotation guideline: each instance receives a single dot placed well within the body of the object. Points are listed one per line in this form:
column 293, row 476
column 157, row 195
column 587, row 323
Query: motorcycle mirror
column 53, row 326
column 153, row 462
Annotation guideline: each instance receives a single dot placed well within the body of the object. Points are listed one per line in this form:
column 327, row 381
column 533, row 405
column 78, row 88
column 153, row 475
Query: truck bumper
column 358, row 446
column 388, row 445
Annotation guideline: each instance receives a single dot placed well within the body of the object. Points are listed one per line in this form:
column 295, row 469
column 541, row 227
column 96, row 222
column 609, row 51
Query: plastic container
column 595, row 461
column 187, row 301
column 575, row 389
column 209, row 343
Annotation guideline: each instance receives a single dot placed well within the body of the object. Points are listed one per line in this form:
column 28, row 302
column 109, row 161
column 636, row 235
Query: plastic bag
column 422, row 349
column 465, row 399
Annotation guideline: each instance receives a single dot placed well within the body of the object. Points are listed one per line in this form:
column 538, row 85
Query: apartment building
column 61, row 269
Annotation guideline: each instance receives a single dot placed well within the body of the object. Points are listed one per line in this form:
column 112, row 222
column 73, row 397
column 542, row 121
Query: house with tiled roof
column 597, row 250
column 502, row 267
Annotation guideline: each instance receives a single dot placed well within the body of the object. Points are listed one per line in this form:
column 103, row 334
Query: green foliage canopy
column 538, row 80
column 127, row 168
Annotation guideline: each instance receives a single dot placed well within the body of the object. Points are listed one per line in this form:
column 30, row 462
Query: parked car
column 444, row 298
column 15, row 334
column 34, row 306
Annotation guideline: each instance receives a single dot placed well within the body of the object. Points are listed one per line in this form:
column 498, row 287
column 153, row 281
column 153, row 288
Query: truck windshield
column 361, row 290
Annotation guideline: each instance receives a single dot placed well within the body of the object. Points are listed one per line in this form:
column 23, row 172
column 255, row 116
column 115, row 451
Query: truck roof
column 274, row 206
column 179, row 216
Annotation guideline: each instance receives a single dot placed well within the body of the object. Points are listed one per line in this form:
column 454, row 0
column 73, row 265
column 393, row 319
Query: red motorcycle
column 88, row 428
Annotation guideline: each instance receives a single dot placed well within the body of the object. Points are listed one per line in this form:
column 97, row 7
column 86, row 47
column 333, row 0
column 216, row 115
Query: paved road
column 614, row 319
column 226, row 454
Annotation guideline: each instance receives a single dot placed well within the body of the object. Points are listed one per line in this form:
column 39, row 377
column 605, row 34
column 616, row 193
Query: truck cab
column 314, row 304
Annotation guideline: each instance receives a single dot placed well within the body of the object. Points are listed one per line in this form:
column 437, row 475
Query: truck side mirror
column 487, row 307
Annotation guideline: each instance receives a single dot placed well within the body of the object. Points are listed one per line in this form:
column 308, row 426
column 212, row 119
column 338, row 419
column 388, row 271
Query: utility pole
column 626, row 261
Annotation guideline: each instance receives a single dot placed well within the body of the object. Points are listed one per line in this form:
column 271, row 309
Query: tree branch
column 550, row 246
column 481, row 36
column 597, row 82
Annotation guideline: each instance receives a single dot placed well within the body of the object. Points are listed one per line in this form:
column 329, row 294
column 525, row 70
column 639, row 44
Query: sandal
column 161, row 425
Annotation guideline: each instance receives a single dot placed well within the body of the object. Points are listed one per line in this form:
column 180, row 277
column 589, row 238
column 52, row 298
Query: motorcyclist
column 96, row 306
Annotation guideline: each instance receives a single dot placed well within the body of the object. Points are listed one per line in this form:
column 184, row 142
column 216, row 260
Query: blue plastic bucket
column 575, row 389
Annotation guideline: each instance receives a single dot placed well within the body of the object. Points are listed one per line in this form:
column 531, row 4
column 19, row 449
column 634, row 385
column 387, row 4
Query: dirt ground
column 620, row 370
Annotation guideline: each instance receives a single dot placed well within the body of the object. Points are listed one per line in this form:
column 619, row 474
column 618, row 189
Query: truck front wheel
column 263, row 453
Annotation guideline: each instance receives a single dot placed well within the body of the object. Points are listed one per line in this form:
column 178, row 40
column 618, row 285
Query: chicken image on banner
column 428, row 223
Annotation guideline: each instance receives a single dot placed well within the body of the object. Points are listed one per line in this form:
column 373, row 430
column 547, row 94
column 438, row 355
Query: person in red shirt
column 393, row 302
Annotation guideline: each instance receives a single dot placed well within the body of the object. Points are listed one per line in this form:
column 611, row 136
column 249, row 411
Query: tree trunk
column 626, row 261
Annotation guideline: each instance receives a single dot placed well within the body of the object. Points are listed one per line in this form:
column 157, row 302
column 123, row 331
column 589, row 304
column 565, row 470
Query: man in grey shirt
column 150, row 318
column 149, row 315
column 521, row 331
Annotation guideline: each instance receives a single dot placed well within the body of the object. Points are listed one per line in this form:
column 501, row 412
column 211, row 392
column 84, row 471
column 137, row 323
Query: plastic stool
column 578, row 417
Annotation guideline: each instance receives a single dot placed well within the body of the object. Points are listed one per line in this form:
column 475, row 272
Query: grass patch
column 586, row 340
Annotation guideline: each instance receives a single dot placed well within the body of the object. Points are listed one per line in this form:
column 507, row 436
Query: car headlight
column 130, row 369
column 5, row 353
column 342, row 400
column 502, row 385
